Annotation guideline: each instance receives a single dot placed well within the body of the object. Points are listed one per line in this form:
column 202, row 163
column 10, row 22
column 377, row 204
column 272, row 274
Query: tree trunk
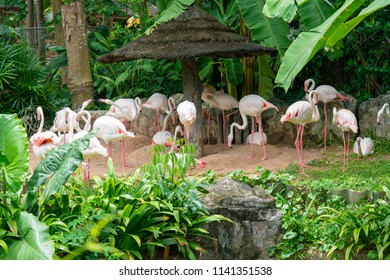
column 59, row 35
column 80, row 82
column 192, row 91
column 41, row 32
column 30, row 23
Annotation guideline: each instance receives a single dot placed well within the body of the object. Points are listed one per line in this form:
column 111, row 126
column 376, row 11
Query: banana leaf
column 284, row 9
column 309, row 43
column 265, row 76
column 34, row 242
column 54, row 171
column 14, row 152
column 271, row 32
column 312, row 13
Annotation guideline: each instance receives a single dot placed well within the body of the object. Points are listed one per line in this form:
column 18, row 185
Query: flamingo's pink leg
column 253, row 130
column 325, row 126
column 261, row 137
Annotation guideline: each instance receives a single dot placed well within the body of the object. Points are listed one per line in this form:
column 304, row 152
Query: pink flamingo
column 110, row 129
column 94, row 149
column 159, row 102
column 43, row 142
column 60, row 123
column 251, row 105
column 346, row 121
column 326, row 94
column 222, row 101
column 382, row 111
column 302, row 113
column 187, row 115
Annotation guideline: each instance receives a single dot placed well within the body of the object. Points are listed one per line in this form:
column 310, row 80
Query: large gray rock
column 367, row 117
column 256, row 222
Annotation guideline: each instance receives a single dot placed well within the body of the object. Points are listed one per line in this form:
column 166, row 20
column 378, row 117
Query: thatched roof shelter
column 192, row 34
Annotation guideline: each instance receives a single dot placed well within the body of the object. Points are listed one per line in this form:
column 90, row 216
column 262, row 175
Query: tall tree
column 80, row 82
column 41, row 31
column 30, row 23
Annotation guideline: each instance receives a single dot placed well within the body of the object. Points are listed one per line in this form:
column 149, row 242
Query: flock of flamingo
column 112, row 126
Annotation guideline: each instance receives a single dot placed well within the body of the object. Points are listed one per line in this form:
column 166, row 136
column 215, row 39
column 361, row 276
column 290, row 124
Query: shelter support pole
column 192, row 91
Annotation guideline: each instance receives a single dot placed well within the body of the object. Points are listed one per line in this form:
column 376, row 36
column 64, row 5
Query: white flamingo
column 346, row 121
column 124, row 109
column 301, row 113
column 187, row 116
column 251, row 105
column 160, row 102
column 61, row 124
column 384, row 109
column 256, row 139
column 43, row 141
column 163, row 137
column 222, row 101
column 94, row 149
column 326, row 94
column 110, row 129
column 363, row 146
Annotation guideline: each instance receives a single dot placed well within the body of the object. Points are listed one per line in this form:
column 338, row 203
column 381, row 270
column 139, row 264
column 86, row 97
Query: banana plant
column 324, row 36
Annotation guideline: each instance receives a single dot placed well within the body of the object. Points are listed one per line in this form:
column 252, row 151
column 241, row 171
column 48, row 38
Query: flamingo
column 256, row 139
column 199, row 163
column 60, row 123
column 43, row 142
column 159, row 102
column 251, row 105
column 346, row 121
column 164, row 136
column 124, row 109
column 382, row 111
column 94, row 149
column 222, row 101
column 110, row 129
column 187, row 115
column 302, row 113
column 363, row 146
column 326, row 94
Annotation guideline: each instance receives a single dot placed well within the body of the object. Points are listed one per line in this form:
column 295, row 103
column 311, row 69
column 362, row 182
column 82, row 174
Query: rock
column 256, row 221
column 368, row 111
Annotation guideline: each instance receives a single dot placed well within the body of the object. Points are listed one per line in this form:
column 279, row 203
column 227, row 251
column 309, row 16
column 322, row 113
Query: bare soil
column 218, row 158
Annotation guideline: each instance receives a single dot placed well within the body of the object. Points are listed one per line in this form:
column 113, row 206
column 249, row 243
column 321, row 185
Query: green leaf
column 271, row 32
column 309, row 43
column 284, row 9
column 34, row 242
column 234, row 74
column 314, row 12
column 14, row 152
column 345, row 28
column 174, row 9
column 54, row 171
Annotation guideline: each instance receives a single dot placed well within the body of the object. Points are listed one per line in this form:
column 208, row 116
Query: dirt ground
column 218, row 158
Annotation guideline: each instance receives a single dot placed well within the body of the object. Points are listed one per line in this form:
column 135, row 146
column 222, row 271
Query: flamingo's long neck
column 70, row 120
column 360, row 152
column 240, row 127
column 87, row 126
column 40, row 114
column 120, row 109
column 177, row 129
column 312, row 83
column 138, row 104
column 316, row 113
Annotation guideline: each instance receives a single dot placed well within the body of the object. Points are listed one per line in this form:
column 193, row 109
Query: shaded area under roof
column 193, row 34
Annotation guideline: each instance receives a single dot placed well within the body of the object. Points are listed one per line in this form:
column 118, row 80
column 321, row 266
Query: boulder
column 256, row 222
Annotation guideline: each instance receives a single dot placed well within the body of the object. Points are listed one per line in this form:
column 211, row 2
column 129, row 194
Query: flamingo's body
column 346, row 121
column 43, row 142
column 163, row 137
column 256, row 139
column 61, row 123
column 301, row 113
column 251, row 105
column 384, row 109
column 160, row 102
column 222, row 101
column 110, row 129
column 363, row 147
column 326, row 94
column 187, row 115
column 124, row 109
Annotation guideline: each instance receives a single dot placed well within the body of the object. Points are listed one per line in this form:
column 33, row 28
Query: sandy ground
column 218, row 158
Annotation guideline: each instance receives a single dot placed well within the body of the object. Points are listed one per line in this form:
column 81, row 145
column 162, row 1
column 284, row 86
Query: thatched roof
column 193, row 34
